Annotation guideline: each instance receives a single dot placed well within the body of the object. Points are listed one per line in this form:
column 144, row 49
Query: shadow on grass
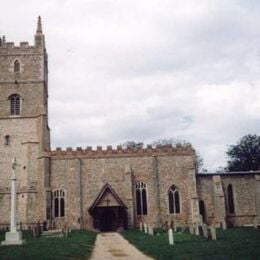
column 237, row 243
column 78, row 245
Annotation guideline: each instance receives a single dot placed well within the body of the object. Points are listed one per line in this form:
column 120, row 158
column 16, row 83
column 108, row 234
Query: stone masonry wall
column 205, row 188
column 24, row 145
column 28, row 132
column 122, row 169
column 245, row 198
column 175, row 171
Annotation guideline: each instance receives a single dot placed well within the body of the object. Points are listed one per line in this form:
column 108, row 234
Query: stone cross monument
column 13, row 237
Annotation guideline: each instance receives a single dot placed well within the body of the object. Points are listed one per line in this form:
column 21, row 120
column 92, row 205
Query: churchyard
column 78, row 245
column 236, row 243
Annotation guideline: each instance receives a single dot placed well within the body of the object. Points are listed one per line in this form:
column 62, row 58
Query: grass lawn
column 236, row 243
column 78, row 245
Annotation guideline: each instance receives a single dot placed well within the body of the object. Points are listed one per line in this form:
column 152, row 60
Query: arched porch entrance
column 108, row 211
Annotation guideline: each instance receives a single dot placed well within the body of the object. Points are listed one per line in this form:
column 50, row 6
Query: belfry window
column 16, row 66
column 174, row 200
column 231, row 207
column 7, row 140
column 141, row 198
column 58, row 203
column 15, row 103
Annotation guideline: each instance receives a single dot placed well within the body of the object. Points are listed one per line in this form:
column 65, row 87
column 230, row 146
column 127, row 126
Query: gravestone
column 145, row 228
column 141, row 226
column 171, row 238
column 150, row 228
column 34, row 232
column 191, row 229
column 213, row 233
column 205, row 231
column 196, row 229
column 66, row 232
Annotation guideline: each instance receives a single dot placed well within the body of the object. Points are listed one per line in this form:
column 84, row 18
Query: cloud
column 144, row 70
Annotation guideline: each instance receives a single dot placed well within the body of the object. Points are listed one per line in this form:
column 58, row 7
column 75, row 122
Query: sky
column 147, row 70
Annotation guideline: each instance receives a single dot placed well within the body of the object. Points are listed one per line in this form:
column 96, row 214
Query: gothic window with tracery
column 141, row 198
column 231, row 207
column 15, row 104
column 58, row 203
column 16, row 66
column 174, row 200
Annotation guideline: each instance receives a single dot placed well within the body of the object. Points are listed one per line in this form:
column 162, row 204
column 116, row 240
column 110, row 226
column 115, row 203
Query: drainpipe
column 81, row 195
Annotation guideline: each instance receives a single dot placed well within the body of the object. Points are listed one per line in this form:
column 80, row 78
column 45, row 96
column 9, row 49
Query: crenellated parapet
column 22, row 47
column 11, row 45
column 23, row 63
column 10, row 48
column 119, row 151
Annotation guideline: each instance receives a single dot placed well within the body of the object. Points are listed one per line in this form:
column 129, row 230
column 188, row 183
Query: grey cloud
column 144, row 70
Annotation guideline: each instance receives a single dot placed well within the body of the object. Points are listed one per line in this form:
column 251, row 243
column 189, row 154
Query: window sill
column 14, row 116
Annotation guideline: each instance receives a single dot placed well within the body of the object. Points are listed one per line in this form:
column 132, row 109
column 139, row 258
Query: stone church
column 101, row 189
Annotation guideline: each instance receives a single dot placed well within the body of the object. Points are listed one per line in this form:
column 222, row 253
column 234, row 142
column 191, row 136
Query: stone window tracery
column 58, row 203
column 15, row 104
column 174, row 200
column 141, row 198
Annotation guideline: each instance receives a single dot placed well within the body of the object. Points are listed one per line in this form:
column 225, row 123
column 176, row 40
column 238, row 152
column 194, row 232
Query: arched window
column 231, row 207
column 141, row 198
column 56, row 207
column 62, row 205
column 202, row 210
column 58, row 203
column 15, row 102
column 174, row 200
column 7, row 140
column 16, row 66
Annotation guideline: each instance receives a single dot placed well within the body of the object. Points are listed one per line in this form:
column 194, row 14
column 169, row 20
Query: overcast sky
column 146, row 70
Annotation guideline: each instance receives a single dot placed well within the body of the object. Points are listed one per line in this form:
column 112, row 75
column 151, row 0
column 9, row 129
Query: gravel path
column 113, row 246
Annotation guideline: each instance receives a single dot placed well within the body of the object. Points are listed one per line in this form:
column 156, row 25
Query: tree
column 245, row 155
column 221, row 169
column 170, row 141
column 132, row 145
column 199, row 163
column 198, row 158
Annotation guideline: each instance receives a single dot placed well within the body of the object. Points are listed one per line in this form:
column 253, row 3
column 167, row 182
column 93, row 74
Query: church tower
column 24, row 130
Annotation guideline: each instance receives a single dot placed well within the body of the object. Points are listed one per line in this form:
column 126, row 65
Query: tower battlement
column 12, row 45
column 39, row 42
